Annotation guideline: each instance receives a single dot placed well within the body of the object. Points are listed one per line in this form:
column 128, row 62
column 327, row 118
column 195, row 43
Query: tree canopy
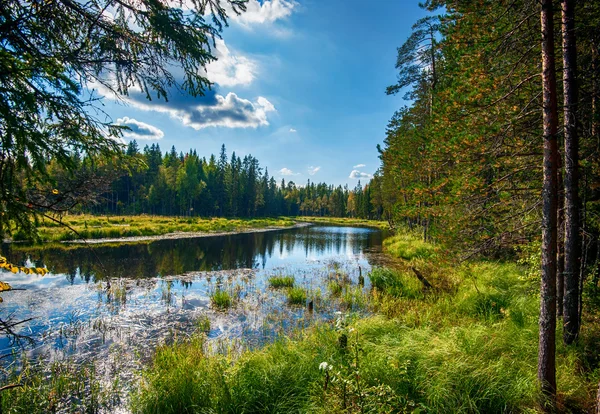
column 54, row 54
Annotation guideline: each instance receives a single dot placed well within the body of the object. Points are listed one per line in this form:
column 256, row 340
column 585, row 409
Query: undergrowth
column 467, row 345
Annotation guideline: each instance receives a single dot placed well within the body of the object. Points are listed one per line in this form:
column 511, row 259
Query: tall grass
column 296, row 295
column 60, row 387
column 277, row 282
column 99, row 227
column 345, row 221
column 221, row 299
column 469, row 349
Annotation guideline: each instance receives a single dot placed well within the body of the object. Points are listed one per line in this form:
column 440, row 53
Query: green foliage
column 277, row 282
column 60, row 387
column 136, row 226
column 408, row 247
column 395, row 283
column 52, row 55
column 335, row 287
column 221, row 299
column 455, row 352
column 203, row 324
column 296, row 295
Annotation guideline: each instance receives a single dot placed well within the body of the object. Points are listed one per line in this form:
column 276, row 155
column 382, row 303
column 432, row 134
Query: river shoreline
column 184, row 235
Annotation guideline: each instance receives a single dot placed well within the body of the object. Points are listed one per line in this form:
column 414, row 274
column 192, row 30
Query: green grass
column 100, row 227
column 345, row 221
column 396, row 283
column 296, row 296
column 221, row 299
column 470, row 347
column 58, row 387
column 277, row 282
column 408, row 247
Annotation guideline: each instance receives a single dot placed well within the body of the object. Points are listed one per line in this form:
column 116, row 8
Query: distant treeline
column 187, row 184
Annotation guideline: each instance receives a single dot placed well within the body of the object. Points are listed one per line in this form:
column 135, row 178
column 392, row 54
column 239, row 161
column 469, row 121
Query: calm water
column 160, row 290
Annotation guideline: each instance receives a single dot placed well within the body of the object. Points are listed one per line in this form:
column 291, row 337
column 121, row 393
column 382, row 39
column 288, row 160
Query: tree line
column 499, row 147
column 148, row 181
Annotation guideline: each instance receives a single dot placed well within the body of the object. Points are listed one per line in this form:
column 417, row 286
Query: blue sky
column 299, row 85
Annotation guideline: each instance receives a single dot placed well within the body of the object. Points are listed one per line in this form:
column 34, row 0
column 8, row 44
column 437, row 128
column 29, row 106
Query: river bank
column 468, row 343
column 465, row 343
column 103, row 229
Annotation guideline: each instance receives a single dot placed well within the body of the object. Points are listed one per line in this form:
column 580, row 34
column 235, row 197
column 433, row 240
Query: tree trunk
column 572, row 220
column 598, row 401
column 595, row 128
column 547, row 322
column 560, row 267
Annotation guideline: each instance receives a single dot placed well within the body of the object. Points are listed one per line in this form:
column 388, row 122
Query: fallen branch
column 422, row 278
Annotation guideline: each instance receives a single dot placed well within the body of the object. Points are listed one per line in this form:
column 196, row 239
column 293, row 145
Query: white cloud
column 287, row 172
column 230, row 69
column 358, row 174
column 229, row 111
column 292, row 130
column 212, row 110
column 313, row 170
column 139, row 130
column 359, row 166
column 265, row 12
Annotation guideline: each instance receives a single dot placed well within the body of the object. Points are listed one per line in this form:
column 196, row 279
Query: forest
column 471, row 285
column 177, row 184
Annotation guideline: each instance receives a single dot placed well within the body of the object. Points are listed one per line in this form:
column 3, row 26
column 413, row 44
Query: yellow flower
column 55, row 191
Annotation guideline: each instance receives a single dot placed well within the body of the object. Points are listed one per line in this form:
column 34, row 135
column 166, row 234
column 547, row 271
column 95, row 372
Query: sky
column 300, row 85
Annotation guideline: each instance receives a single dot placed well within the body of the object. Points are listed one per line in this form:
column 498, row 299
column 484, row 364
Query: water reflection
column 175, row 257
column 162, row 289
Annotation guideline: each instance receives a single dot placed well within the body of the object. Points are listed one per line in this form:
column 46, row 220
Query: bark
column 595, row 130
column 560, row 267
column 547, row 322
column 572, row 220
column 598, row 401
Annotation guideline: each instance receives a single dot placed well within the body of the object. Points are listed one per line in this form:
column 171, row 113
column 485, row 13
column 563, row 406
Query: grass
column 409, row 247
column 278, row 282
column 221, row 299
column 296, row 296
column 60, row 387
column 468, row 346
column 100, row 227
column 396, row 283
column 345, row 221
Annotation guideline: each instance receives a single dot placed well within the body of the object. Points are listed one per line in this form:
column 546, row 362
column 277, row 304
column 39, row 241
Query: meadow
column 100, row 227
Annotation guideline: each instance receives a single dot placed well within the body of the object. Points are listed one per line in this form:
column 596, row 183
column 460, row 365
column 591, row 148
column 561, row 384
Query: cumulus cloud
column 139, row 130
column 359, row 166
column 267, row 11
column 230, row 69
column 313, row 170
column 287, row 172
column 293, row 130
column 211, row 110
column 229, row 111
column 358, row 174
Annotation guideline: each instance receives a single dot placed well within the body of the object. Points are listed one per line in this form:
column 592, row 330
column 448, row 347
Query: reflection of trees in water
column 173, row 257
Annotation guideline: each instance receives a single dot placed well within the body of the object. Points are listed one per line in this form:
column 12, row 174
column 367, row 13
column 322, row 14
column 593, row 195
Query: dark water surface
column 112, row 301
